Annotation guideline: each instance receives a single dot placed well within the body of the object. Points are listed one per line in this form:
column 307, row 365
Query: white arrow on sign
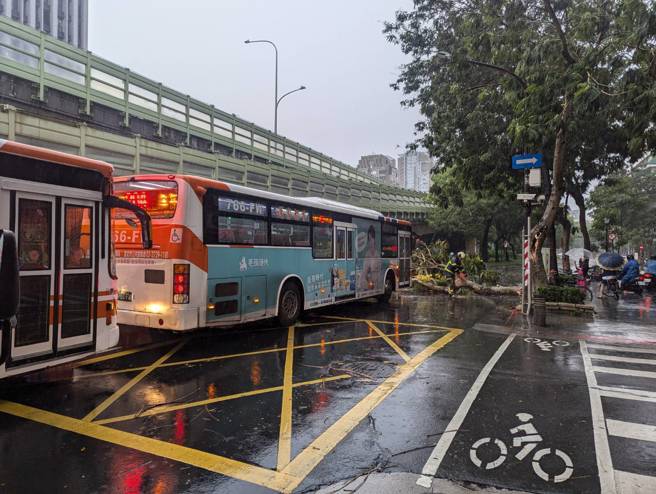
column 526, row 161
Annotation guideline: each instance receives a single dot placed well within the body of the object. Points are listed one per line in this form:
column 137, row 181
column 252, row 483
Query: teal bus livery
column 224, row 254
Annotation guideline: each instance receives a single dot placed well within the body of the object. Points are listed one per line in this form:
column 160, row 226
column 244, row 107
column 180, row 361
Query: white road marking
column 621, row 348
column 627, row 393
column 442, row 446
column 627, row 360
column 602, row 449
column 624, row 372
column 632, row 483
column 631, row 430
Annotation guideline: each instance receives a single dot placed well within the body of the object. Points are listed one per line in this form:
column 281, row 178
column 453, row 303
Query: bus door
column 405, row 252
column 35, row 226
column 57, row 277
column 343, row 275
column 77, row 278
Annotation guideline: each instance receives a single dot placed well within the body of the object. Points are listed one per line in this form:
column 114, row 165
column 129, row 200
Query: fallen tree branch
column 474, row 287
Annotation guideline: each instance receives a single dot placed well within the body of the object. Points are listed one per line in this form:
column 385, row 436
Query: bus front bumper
column 178, row 319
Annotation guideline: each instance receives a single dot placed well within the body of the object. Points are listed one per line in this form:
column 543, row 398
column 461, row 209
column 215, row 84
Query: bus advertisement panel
column 224, row 254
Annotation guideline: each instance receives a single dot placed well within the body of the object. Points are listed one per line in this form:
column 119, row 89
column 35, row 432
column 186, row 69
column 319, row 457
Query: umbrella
column 611, row 261
column 578, row 253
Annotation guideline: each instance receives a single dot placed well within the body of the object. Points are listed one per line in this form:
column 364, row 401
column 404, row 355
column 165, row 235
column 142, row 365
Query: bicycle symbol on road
column 545, row 345
column 527, row 441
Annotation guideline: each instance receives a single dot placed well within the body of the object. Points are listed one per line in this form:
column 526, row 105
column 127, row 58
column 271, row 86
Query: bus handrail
column 142, row 216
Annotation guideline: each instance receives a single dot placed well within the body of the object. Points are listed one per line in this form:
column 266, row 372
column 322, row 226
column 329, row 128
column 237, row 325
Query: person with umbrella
column 610, row 263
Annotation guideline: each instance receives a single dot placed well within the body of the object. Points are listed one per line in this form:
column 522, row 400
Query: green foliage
column 473, row 265
column 628, row 201
column 490, row 277
column 565, row 294
column 492, row 79
column 430, row 259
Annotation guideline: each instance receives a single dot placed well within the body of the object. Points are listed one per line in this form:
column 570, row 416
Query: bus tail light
column 181, row 283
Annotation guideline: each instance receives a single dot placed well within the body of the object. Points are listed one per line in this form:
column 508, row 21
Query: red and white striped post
column 526, row 270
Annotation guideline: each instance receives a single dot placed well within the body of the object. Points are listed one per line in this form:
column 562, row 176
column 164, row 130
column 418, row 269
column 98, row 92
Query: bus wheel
column 389, row 288
column 289, row 305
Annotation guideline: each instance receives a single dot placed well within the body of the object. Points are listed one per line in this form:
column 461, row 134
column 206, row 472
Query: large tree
column 573, row 79
column 628, row 202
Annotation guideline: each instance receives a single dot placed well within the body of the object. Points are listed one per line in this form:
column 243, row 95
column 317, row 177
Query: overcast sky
column 336, row 48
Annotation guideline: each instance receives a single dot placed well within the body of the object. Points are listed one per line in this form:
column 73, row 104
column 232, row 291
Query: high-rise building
column 379, row 166
column 415, row 170
column 66, row 20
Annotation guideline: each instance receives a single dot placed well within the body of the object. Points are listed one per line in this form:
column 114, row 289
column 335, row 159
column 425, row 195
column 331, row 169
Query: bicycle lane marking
column 442, row 446
column 526, row 427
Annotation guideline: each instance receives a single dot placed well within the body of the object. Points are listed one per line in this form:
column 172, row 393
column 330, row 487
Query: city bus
column 225, row 254
column 57, row 272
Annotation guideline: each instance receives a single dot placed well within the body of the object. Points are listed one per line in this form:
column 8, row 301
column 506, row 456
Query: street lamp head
column 247, row 41
column 302, row 87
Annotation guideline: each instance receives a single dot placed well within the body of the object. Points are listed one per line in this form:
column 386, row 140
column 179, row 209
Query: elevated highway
column 61, row 97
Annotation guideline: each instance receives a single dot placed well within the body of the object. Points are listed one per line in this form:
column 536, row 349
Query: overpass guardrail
column 48, row 63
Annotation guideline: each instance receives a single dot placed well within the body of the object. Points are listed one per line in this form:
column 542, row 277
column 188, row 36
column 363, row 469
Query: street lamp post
column 276, row 100
column 301, row 88
column 607, row 222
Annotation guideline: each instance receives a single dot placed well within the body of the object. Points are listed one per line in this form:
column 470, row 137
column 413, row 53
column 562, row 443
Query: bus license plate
column 125, row 296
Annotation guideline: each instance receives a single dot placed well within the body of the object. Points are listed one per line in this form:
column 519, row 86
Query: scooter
column 632, row 286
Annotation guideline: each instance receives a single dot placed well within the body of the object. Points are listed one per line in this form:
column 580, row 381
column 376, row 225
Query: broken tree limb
column 474, row 287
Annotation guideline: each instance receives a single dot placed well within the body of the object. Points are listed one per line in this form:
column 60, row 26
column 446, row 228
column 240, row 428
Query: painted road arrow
column 525, row 161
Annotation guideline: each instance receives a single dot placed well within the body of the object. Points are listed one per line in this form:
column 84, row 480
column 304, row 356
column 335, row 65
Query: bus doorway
column 57, row 274
column 343, row 275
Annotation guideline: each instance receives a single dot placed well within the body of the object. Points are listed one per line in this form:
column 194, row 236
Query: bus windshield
column 159, row 198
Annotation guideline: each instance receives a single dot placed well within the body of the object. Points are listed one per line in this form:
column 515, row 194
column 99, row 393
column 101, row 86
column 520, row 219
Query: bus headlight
column 155, row 308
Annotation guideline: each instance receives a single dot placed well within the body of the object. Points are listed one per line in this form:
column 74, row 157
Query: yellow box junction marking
column 285, row 433
column 172, row 408
column 132, row 382
column 290, row 476
column 213, row 463
column 310, row 457
column 387, row 339
column 115, row 355
column 412, row 324
column 256, row 352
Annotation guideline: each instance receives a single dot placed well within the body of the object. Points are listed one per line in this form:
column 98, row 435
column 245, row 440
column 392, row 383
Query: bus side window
column 349, row 244
column 322, row 237
column 341, row 244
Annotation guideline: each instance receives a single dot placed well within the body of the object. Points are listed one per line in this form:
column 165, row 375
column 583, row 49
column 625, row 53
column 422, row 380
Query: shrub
column 561, row 294
column 473, row 265
column 490, row 277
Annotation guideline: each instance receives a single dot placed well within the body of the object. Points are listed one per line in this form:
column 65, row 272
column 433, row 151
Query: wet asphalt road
column 463, row 386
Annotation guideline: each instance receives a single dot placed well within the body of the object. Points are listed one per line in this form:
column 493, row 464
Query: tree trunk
column 496, row 250
column 512, row 249
column 541, row 230
column 566, row 238
column 580, row 202
column 484, row 241
column 553, row 254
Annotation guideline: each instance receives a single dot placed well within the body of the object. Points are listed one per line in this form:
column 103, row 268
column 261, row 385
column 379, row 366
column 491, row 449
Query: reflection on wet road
column 458, row 388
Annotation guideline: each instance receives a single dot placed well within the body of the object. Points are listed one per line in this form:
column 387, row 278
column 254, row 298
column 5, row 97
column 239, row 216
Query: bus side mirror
column 142, row 216
column 9, row 284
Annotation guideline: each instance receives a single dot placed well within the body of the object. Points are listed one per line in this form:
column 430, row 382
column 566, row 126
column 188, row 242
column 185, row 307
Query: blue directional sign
column 525, row 161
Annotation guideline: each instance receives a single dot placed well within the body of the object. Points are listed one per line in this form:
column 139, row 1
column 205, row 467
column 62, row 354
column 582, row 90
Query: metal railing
column 50, row 63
